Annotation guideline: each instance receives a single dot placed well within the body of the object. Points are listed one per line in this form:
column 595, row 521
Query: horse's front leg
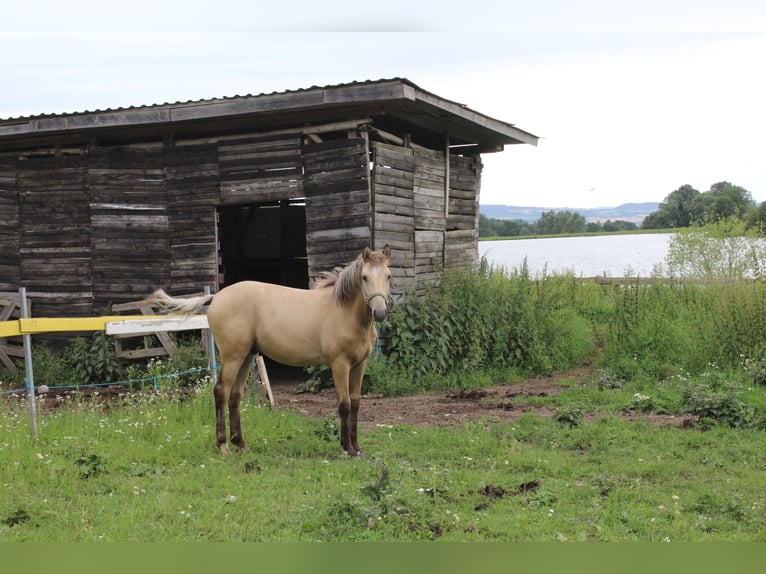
column 340, row 375
column 355, row 395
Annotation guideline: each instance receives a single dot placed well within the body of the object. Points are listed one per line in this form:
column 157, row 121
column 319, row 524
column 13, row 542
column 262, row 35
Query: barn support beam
column 446, row 197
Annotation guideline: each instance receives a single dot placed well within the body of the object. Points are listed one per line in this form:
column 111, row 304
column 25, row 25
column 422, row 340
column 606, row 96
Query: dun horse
column 329, row 325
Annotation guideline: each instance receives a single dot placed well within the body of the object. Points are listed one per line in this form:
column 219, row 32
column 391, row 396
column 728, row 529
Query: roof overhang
column 397, row 102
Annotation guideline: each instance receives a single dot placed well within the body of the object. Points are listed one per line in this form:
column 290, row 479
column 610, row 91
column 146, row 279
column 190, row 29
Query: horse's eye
column 364, row 277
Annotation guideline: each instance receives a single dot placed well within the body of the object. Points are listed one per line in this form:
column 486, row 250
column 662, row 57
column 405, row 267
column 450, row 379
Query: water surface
column 640, row 255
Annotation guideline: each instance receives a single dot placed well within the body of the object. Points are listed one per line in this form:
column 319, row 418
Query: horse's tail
column 186, row 305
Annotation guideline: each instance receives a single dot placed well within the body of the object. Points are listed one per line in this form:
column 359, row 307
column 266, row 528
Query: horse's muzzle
column 379, row 306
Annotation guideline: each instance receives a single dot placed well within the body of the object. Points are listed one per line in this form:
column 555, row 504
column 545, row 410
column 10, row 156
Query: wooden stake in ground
column 264, row 376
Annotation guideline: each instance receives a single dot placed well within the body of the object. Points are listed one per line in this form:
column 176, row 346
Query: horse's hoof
column 224, row 449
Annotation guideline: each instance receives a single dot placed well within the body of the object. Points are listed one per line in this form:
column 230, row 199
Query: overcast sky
column 629, row 104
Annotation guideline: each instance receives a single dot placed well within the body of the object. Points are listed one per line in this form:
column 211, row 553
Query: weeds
column 714, row 408
column 488, row 322
column 569, row 415
column 93, row 360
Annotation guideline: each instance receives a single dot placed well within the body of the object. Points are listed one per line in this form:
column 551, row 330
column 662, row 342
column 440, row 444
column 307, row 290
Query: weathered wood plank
column 334, row 172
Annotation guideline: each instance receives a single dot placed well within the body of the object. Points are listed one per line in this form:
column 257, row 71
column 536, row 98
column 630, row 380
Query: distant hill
column 635, row 212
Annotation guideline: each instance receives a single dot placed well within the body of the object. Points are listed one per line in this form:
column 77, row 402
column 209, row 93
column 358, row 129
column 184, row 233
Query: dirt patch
column 500, row 401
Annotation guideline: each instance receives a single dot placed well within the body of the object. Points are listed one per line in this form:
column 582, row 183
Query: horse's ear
column 366, row 254
column 387, row 251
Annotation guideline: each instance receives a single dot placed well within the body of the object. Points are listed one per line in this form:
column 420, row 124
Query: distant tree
column 759, row 218
column 686, row 206
column 593, row 227
column 556, row 222
column 491, row 227
column 487, row 226
column 514, row 228
column 729, row 201
column 618, row 225
column 678, row 209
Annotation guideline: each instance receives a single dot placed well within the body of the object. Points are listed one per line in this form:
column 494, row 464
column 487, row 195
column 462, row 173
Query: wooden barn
column 101, row 207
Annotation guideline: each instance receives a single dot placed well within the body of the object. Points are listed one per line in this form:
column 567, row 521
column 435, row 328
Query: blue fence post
column 211, row 362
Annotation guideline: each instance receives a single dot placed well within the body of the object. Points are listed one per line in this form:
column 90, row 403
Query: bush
column 718, row 408
column 94, row 360
column 724, row 249
column 471, row 325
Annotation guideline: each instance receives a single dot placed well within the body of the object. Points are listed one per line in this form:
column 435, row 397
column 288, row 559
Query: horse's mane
column 346, row 281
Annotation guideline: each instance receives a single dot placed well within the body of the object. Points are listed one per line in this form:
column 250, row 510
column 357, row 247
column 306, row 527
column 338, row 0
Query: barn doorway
column 263, row 242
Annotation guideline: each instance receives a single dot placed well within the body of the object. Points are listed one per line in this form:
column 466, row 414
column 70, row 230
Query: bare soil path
column 500, row 401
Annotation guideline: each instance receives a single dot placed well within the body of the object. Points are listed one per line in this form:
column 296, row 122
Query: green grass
column 147, row 471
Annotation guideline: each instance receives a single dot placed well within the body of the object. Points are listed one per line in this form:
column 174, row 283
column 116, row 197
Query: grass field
column 145, row 470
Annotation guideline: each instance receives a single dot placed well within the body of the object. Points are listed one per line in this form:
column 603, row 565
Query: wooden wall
column 129, row 222
column 10, row 273
column 410, row 212
column 110, row 223
column 55, row 233
column 462, row 237
column 393, row 184
column 337, row 188
column 266, row 167
column 193, row 193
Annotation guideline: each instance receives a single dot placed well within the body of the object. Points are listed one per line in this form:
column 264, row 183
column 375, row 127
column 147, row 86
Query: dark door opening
column 263, row 242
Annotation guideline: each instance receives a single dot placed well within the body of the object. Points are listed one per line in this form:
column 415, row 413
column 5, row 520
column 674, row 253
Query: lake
column 610, row 255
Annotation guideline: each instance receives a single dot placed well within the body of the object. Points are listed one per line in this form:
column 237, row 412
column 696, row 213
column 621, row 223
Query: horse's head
column 376, row 281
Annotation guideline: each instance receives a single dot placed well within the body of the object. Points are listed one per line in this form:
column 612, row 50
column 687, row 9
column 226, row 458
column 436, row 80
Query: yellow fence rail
column 26, row 326
column 115, row 323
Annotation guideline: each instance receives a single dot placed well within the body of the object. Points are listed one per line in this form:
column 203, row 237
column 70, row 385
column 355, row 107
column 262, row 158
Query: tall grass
column 682, row 346
column 496, row 324
column 665, row 329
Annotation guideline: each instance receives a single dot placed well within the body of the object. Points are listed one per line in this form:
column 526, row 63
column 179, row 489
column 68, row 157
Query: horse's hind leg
column 230, row 370
column 235, row 399
column 221, row 394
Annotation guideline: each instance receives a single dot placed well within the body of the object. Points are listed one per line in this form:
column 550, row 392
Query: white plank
column 157, row 324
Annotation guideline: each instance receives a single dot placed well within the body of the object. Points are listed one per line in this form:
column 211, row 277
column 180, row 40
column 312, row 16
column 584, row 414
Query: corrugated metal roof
column 395, row 99
column 204, row 100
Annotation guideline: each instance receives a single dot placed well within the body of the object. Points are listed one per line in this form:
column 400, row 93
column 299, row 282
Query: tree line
column 550, row 223
column 687, row 206
column 684, row 207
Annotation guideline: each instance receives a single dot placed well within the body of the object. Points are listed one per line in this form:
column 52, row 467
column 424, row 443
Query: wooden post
column 10, row 305
column 264, row 376
column 446, row 198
